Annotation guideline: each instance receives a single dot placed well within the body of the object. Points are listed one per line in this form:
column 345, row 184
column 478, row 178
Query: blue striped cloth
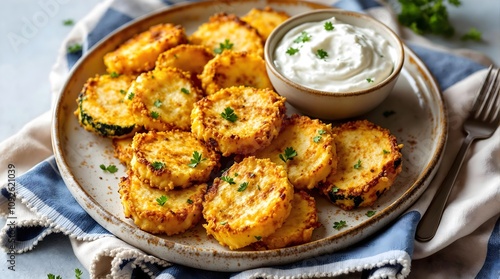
column 387, row 254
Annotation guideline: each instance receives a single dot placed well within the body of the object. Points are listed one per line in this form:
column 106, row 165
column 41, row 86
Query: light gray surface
column 25, row 89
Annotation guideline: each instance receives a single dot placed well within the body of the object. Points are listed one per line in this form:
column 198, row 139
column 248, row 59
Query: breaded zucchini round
column 234, row 69
column 228, row 32
column 238, row 120
column 123, row 150
column 265, row 20
column 101, row 108
column 305, row 147
column 139, row 53
column 171, row 159
column 162, row 99
column 157, row 211
column 249, row 202
column 297, row 228
column 189, row 58
column 369, row 162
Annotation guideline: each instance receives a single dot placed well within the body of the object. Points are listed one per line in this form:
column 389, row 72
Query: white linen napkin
column 466, row 244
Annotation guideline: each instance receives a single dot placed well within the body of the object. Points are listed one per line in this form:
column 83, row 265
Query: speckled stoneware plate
column 418, row 120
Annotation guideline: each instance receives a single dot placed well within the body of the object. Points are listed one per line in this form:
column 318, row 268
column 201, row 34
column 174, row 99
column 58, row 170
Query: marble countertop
column 32, row 32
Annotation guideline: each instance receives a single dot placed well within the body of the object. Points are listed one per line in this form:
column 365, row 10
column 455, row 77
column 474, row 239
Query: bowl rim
column 291, row 23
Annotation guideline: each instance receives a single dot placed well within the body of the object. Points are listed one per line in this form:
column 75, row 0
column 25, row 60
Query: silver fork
column 481, row 123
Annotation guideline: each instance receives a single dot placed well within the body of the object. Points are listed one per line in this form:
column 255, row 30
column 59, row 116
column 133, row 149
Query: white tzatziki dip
column 334, row 56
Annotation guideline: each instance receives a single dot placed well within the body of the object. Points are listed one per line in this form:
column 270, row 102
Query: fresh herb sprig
column 109, row 168
column 197, row 158
column 223, row 46
column 289, row 154
column 229, row 115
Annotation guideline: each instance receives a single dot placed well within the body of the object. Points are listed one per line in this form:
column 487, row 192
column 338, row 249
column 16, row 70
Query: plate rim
column 313, row 248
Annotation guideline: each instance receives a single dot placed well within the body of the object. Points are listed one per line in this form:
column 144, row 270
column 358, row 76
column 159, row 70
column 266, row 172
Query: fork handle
column 429, row 223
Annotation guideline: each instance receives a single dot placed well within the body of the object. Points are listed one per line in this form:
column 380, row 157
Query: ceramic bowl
column 324, row 104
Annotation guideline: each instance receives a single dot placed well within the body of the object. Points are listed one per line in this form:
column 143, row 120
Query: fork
column 481, row 123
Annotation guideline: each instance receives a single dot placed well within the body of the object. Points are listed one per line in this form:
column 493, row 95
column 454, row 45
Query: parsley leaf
column 386, row 151
column 74, row 48
column 157, row 103
column 292, row 51
column 335, row 189
column 110, row 168
column 190, row 201
column 329, row 26
column 114, row 74
column 370, row 213
column 130, row 95
column 184, row 90
column 339, row 225
column 321, row 53
column 288, row 154
column 52, row 276
column 258, row 237
column 123, row 92
column 243, row 186
column 316, row 139
column 68, row 22
column 158, row 165
column 370, row 80
column 358, row 164
column 155, row 114
column 78, row 273
column 229, row 115
column 222, row 46
column 304, row 37
column 228, row 179
column 162, row 200
column 197, row 158
column 472, row 35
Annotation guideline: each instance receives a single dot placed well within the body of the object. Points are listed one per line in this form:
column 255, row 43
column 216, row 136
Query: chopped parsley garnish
column 472, row 35
column 68, row 22
column 114, row 74
column 321, row 132
column 78, row 273
column 358, row 164
column 329, row 26
column 74, row 48
column 243, row 186
column 123, row 92
column 321, row 53
column 335, row 189
column 190, row 201
column 388, row 113
column 304, row 37
column 222, row 46
column 130, row 95
column 197, row 158
column 162, row 200
column 110, row 168
column 370, row 80
column 158, row 165
column 258, row 237
column 223, row 223
column 184, row 90
column 229, row 115
column 155, row 114
column 370, row 213
column 292, row 51
column 157, row 103
column 52, row 276
column 228, row 179
column 386, row 151
column 339, row 225
column 288, row 154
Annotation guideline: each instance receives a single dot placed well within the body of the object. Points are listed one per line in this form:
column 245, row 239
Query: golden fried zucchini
column 238, row 120
column 297, row 228
column 234, row 69
column 314, row 155
column 188, row 58
column 101, row 109
column 265, row 20
column 162, row 99
column 139, row 53
column 369, row 162
column 228, row 32
column 249, row 202
column 157, row 211
column 123, row 150
column 171, row 159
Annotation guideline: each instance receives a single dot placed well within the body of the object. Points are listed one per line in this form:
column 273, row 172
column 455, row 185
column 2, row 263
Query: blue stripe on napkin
column 491, row 267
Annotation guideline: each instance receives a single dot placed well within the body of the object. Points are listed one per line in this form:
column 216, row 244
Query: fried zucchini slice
column 139, row 53
column 122, row 148
column 188, row 58
column 101, row 109
column 162, row 99
column 297, row 228
column 314, row 155
column 238, row 120
column 228, row 32
column 157, row 211
column 249, row 202
column 171, row 159
column 265, row 20
column 369, row 162
column 234, row 69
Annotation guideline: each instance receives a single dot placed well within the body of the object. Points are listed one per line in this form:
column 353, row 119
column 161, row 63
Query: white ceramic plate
column 418, row 121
